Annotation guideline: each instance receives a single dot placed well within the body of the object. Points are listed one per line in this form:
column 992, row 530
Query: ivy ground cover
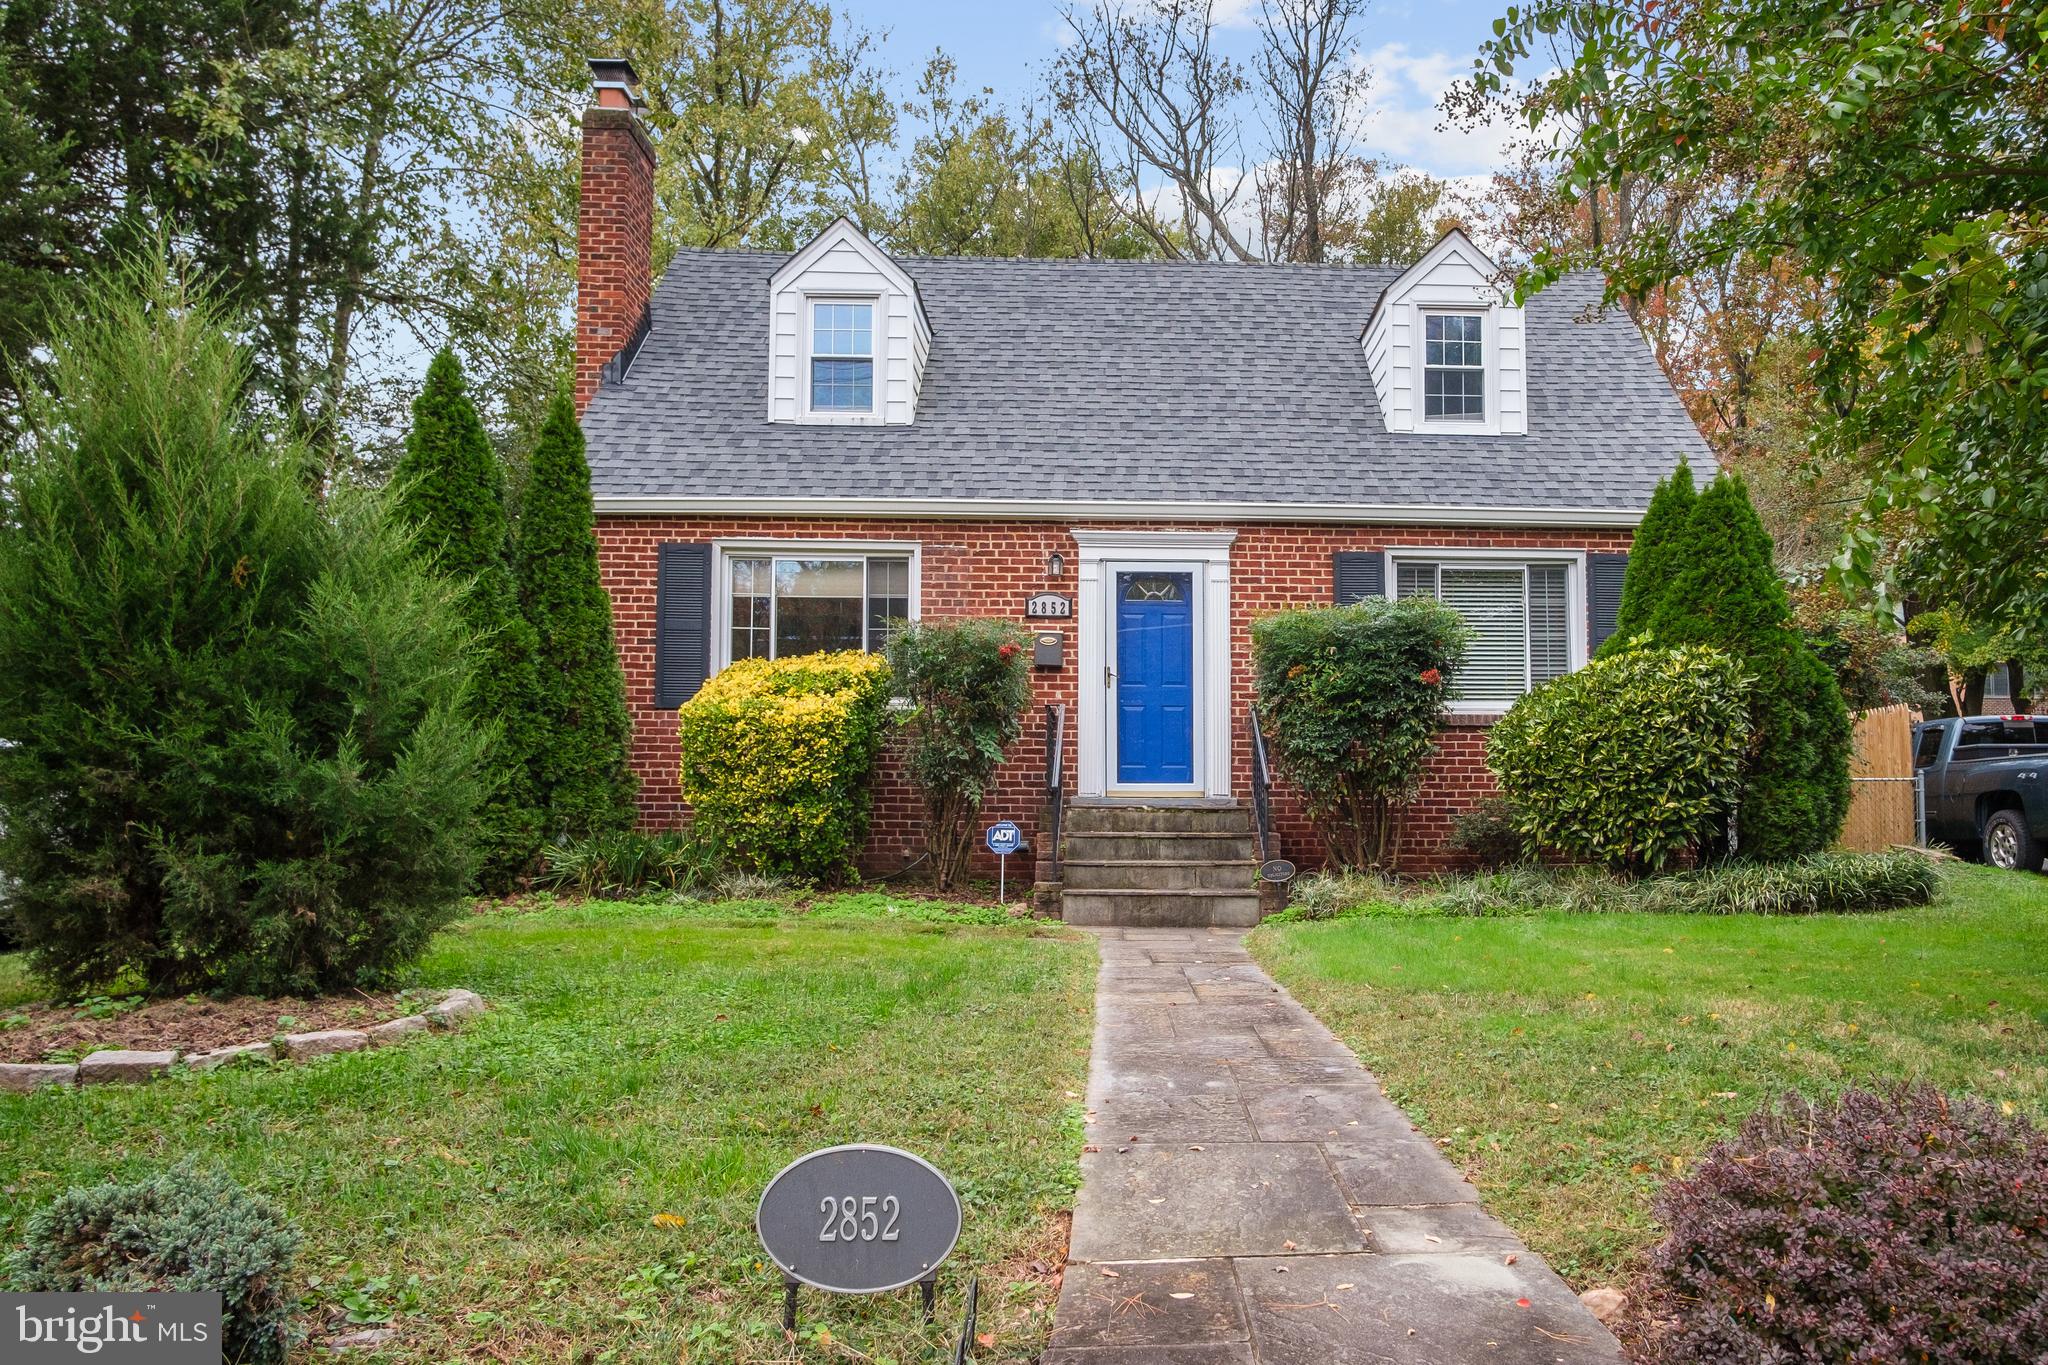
column 573, row 1176
column 1571, row 1063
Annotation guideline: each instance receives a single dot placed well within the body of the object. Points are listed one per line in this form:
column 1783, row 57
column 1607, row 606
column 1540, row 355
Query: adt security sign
column 1004, row 838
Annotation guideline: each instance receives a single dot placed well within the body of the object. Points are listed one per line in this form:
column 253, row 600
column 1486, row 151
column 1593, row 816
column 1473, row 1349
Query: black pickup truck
column 1985, row 790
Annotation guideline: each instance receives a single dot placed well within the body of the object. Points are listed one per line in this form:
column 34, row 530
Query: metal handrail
column 1055, row 780
column 1262, row 790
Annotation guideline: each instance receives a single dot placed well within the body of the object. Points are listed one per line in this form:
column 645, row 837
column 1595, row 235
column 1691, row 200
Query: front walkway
column 1249, row 1197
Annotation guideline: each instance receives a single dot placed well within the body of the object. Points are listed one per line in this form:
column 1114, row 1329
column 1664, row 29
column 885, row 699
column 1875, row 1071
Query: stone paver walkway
column 1250, row 1197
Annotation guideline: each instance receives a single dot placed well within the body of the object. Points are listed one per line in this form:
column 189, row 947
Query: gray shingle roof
column 1167, row 382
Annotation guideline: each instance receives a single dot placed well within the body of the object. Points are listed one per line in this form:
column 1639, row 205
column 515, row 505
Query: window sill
column 1478, row 719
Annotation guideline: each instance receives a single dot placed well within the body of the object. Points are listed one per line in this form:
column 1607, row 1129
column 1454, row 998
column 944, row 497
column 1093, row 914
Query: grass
column 1570, row 1063
column 492, row 1192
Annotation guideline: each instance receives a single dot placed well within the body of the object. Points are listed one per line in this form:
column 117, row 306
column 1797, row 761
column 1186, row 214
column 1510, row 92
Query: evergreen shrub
column 233, row 753
column 581, row 738
column 1352, row 699
column 450, row 486
column 1632, row 761
column 180, row 1231
column 967, row 682
column 1720, row 588
column 778, row 760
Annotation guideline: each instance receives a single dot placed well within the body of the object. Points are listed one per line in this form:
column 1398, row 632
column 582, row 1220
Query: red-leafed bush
column 1906, row 1226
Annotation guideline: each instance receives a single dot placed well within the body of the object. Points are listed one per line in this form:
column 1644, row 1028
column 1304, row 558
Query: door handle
column 1108, row 676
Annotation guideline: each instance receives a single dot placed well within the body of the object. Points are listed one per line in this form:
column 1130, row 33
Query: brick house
column 789, row 451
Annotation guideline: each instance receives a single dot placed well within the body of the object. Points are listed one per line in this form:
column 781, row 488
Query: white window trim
column 806, row 353
column 1458, row 557
column 724, row 551
column 1489, row 351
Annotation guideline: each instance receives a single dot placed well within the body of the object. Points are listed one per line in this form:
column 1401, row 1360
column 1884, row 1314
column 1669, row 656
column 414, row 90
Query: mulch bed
column 31, row 1033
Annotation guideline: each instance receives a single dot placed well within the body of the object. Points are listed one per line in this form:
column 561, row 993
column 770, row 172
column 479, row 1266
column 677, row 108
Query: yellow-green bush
column 777, row 757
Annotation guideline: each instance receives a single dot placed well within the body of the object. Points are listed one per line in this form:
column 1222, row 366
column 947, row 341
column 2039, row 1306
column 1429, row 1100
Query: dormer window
column 842, row 356
column 1453, row 368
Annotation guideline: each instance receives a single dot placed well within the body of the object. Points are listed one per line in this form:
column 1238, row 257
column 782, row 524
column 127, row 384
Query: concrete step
column 1193, row 818
column 1159, row 874
column 1202, row 846
column 1161, row 909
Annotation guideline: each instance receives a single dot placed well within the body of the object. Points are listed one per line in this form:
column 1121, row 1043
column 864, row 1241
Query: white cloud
column 1405, row 122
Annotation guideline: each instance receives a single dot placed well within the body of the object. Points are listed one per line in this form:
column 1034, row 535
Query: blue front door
column 1155, row 679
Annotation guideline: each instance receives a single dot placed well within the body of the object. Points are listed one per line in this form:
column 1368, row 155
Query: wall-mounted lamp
column 1055, row 565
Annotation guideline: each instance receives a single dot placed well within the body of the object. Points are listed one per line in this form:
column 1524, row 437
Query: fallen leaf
column 1287, row 1246
column 985, row 1340
column 670, row 1220
column 1109, row 1274
column 1347, row 1286
column 1521, row 1303
column 1509, row 1259
column 1430, row 1237
column 1195, row 1149
column 1180, row 1296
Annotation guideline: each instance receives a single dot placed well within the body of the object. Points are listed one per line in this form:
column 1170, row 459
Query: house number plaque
column 859, row 1219
column 1048, row 606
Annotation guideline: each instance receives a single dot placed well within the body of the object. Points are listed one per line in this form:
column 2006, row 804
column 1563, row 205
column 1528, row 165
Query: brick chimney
column 614, row 226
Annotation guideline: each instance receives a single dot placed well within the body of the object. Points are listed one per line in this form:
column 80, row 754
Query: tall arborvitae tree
column 1725, row 591
column 1652, row 560
column 582, row 738
column 451, row 487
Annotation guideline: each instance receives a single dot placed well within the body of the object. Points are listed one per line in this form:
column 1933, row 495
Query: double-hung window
column 1453, row 367
column 780, row 605
column 842, row 356
column 1520, row 615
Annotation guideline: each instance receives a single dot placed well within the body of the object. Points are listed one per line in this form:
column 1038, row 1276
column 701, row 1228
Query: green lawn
column 493, row 1190
column 1575, row 1061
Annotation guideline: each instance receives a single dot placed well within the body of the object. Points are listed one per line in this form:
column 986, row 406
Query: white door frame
column 1102, row 554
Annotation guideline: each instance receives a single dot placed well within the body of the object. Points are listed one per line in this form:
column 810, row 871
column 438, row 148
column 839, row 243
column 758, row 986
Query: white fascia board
column 1394, row 514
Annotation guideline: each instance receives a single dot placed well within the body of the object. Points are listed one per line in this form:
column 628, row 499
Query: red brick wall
column 971, row 568
column 614, row 241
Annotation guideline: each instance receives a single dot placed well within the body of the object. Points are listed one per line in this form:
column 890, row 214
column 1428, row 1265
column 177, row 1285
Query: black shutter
column 682, row 623
column 1360, row 574
column 1604, row 574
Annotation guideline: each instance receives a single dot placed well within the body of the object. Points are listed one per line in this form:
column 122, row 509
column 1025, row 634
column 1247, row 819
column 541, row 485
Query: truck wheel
column 2009, row 844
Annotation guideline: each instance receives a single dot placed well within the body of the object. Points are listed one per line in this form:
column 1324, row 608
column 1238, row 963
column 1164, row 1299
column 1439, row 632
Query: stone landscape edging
column 132, row 1066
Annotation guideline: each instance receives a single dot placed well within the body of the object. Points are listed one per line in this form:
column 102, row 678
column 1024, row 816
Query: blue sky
column 1415, row 48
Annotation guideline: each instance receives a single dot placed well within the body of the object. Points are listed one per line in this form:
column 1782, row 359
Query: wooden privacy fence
column 1882, row 790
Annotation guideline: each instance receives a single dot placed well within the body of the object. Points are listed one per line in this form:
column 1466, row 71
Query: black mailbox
column 1045, row 649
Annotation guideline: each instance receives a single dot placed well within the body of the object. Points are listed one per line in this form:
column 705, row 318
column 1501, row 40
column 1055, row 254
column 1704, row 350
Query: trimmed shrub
column 1631, row 762
column 1653, row 561
column 1725, row 593
column 581, row 738
column 777, row 759
column 1880, row 1227
column 628, row 862
column 968, row 683
column 232, row 747
column 1490, row 834
column 181, row 1231
column 1352, row 699
column 451, row 487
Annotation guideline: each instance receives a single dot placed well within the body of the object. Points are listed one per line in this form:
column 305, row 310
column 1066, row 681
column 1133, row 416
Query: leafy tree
column 1725, row 592
column 1653, row 557
column 1908, row 155
column 968, row 683
column 581, row 738
column 232, row 753
column 451, row 488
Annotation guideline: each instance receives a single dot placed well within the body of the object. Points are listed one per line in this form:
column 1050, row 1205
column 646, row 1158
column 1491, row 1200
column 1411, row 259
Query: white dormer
column 847, row 334
column 1445, row 347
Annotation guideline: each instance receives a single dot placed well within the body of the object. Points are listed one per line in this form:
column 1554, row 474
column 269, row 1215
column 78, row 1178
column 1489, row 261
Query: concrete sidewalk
column 1251, row 1198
